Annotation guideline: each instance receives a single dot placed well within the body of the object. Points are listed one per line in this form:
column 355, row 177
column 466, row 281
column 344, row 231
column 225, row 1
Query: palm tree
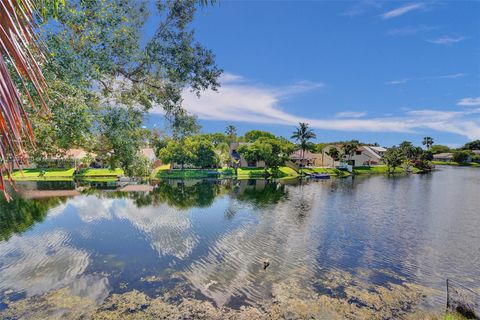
column 334, row 154
column 303, row 135
column 428, row 142
column 20, row 48
column 349, row 148
column 231, row 132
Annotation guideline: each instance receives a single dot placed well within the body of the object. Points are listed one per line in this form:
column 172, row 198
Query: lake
column 357, row 247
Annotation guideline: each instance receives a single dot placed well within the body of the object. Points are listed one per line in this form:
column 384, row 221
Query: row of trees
column 212, row 150
column 408, row 156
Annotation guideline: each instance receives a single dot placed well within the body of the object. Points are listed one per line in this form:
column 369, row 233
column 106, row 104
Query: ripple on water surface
column 356, row 240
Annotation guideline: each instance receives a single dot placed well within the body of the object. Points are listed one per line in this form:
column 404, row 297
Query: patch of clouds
column 446, row 40
column 446, row 76
column 227, row 77
column 401, row 81
column 253, row 103
column 402, row 10
column 409, row 30
column 350, row 114
column 469, row 102
column 361, row 7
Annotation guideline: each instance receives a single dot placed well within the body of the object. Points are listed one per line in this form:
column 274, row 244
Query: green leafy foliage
column 393, row 158
column 253, row 135
column 472, row 145
column 105, row 75
column 273, row 151
column 461, row 156
column 438, row 148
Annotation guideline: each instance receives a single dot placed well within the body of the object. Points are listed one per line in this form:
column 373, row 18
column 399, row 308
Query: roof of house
column 378, row 149
column 443, row 155
column 476, row 151
column 369, row 152
column 148, row 153
column 75, row 153
column 297, row 155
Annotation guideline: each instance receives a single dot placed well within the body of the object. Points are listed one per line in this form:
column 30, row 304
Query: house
column 66, row 158
column 366, row 156
column 149, row 154
column 363, row 156
column 310, row 159
column 444, row 157
column 242, row 162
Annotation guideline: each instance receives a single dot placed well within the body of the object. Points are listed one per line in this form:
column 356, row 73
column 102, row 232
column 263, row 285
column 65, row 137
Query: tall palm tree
column 231, row 132
column 21, row 50
column 334, row 154
column 428, row 142
column 349, row 148
column 303, row 134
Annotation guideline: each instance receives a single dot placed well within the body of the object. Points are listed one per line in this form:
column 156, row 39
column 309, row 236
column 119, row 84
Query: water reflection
column 19, row 215
column 324, row 237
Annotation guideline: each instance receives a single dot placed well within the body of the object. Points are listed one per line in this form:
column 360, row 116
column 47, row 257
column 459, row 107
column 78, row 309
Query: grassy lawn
column 98, row 179
column 243, row 173
column 100, row 173
column 452, row 163
column 374, row 169
column 156, row 171
column 283, row 172
column 166, row 173
column 43, row 174
column 379, row 169
column 330, row 171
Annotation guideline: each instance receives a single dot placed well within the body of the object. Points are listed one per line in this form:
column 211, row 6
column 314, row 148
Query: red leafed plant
column 21, row 50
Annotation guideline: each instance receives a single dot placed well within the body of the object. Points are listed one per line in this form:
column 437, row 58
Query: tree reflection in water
column 19, row 215
column 187, row 194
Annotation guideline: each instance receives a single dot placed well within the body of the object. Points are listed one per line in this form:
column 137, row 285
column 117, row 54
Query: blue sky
column 374, row 71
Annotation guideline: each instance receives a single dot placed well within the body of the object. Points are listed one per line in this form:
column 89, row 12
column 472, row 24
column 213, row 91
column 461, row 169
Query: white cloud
column 402, row 10
column 401, row 81
column 350, row 114
column 451, row 76
column 469, row 102
column 409, row 30
column 253, row 103
column 361, row 7
column 227, row 77
column 447, row 76
column 447, row 40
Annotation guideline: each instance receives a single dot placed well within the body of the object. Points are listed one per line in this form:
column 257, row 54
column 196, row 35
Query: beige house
column 242, row 162
column 444, row 157
column 149, row 153
column 367, row 156
column 310, row 159
column 363, row 156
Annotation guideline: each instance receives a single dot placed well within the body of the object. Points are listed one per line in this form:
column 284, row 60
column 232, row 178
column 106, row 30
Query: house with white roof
column 363, row 156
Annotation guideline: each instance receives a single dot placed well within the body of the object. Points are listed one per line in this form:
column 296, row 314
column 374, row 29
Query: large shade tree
column 102, row 60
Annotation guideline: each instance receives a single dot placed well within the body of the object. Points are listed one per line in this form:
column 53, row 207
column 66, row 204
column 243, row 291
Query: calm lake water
column 211, row 238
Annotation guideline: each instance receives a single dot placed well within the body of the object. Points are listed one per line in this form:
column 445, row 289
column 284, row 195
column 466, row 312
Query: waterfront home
column 66, row 158
column 444, row 157
column 367, row 156
column 310, row 159
column 242, row 162
column 149, row 154
column 363, row 156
